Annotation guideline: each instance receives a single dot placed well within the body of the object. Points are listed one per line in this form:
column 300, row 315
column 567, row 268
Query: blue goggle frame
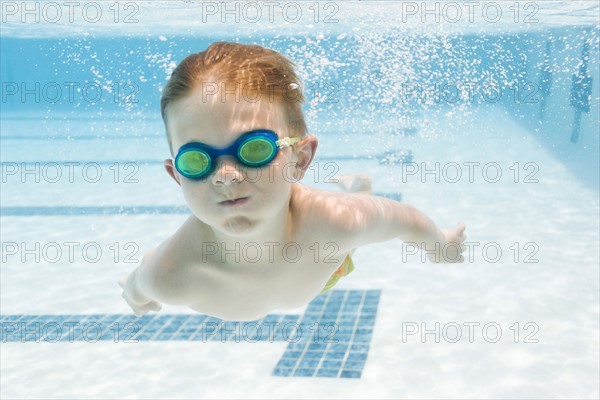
column 235, row 150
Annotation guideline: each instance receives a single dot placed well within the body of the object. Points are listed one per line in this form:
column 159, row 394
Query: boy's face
column 264, row 192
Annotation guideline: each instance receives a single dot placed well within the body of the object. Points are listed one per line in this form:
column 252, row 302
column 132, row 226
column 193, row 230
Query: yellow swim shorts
column 344, row 269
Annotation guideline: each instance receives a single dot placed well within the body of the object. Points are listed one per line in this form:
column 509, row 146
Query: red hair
column 257, row 72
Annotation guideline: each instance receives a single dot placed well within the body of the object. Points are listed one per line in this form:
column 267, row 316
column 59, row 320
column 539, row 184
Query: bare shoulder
column 168, row 267
column 328, row 215
column 333, row 207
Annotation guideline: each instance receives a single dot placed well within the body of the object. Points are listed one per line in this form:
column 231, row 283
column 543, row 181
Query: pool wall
column 348, row 81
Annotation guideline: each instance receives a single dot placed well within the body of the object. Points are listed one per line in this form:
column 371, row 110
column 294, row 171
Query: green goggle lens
column 257, row 148
column 257, row 151
column 195, row 162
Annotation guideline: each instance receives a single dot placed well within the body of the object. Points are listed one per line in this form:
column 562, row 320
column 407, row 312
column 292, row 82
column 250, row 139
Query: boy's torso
column 247, row 281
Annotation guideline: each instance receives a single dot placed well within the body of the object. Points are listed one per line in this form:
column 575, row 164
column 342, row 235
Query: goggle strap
column 287, row 141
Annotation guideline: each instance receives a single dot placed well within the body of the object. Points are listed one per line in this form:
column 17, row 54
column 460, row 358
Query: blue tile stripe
column 93, row 210
column 342, row 323
column 403, row 155
column 331, row 339
column 116, row 210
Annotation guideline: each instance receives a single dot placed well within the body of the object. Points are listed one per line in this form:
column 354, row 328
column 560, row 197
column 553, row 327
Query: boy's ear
column 305, row 152
column 171, row 170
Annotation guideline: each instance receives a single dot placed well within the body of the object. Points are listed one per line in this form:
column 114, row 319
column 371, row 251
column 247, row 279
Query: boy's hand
column 140, row 305
column 449, row 250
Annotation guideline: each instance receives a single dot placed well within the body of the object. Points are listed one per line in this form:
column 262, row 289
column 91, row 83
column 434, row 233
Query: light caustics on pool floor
column 331, row 339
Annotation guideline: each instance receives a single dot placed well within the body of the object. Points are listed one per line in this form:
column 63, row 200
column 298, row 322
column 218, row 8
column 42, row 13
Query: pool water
column 515, row 156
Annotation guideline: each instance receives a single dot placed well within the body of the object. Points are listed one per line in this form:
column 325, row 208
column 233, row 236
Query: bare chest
column 255, row 281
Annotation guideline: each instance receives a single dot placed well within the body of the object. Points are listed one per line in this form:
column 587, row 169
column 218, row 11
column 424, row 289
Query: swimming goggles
column 253, row 149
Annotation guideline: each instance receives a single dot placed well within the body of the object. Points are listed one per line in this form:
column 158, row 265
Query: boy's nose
column 228, row 171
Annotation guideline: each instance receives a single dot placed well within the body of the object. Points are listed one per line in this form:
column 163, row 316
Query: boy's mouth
column 235, row 202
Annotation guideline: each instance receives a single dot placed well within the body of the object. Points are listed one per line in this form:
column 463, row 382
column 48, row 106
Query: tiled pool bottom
column 331, row 339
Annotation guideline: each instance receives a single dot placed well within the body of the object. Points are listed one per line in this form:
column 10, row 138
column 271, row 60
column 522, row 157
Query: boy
column 257, row 240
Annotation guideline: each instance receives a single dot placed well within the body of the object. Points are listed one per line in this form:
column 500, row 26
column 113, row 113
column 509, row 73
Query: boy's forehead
column 214, row 121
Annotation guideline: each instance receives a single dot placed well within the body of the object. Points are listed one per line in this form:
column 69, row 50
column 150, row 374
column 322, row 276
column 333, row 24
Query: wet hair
column 257, row 73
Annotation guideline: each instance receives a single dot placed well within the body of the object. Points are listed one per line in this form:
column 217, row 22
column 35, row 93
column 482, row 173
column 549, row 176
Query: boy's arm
column 365, row 219
column 138, row 289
